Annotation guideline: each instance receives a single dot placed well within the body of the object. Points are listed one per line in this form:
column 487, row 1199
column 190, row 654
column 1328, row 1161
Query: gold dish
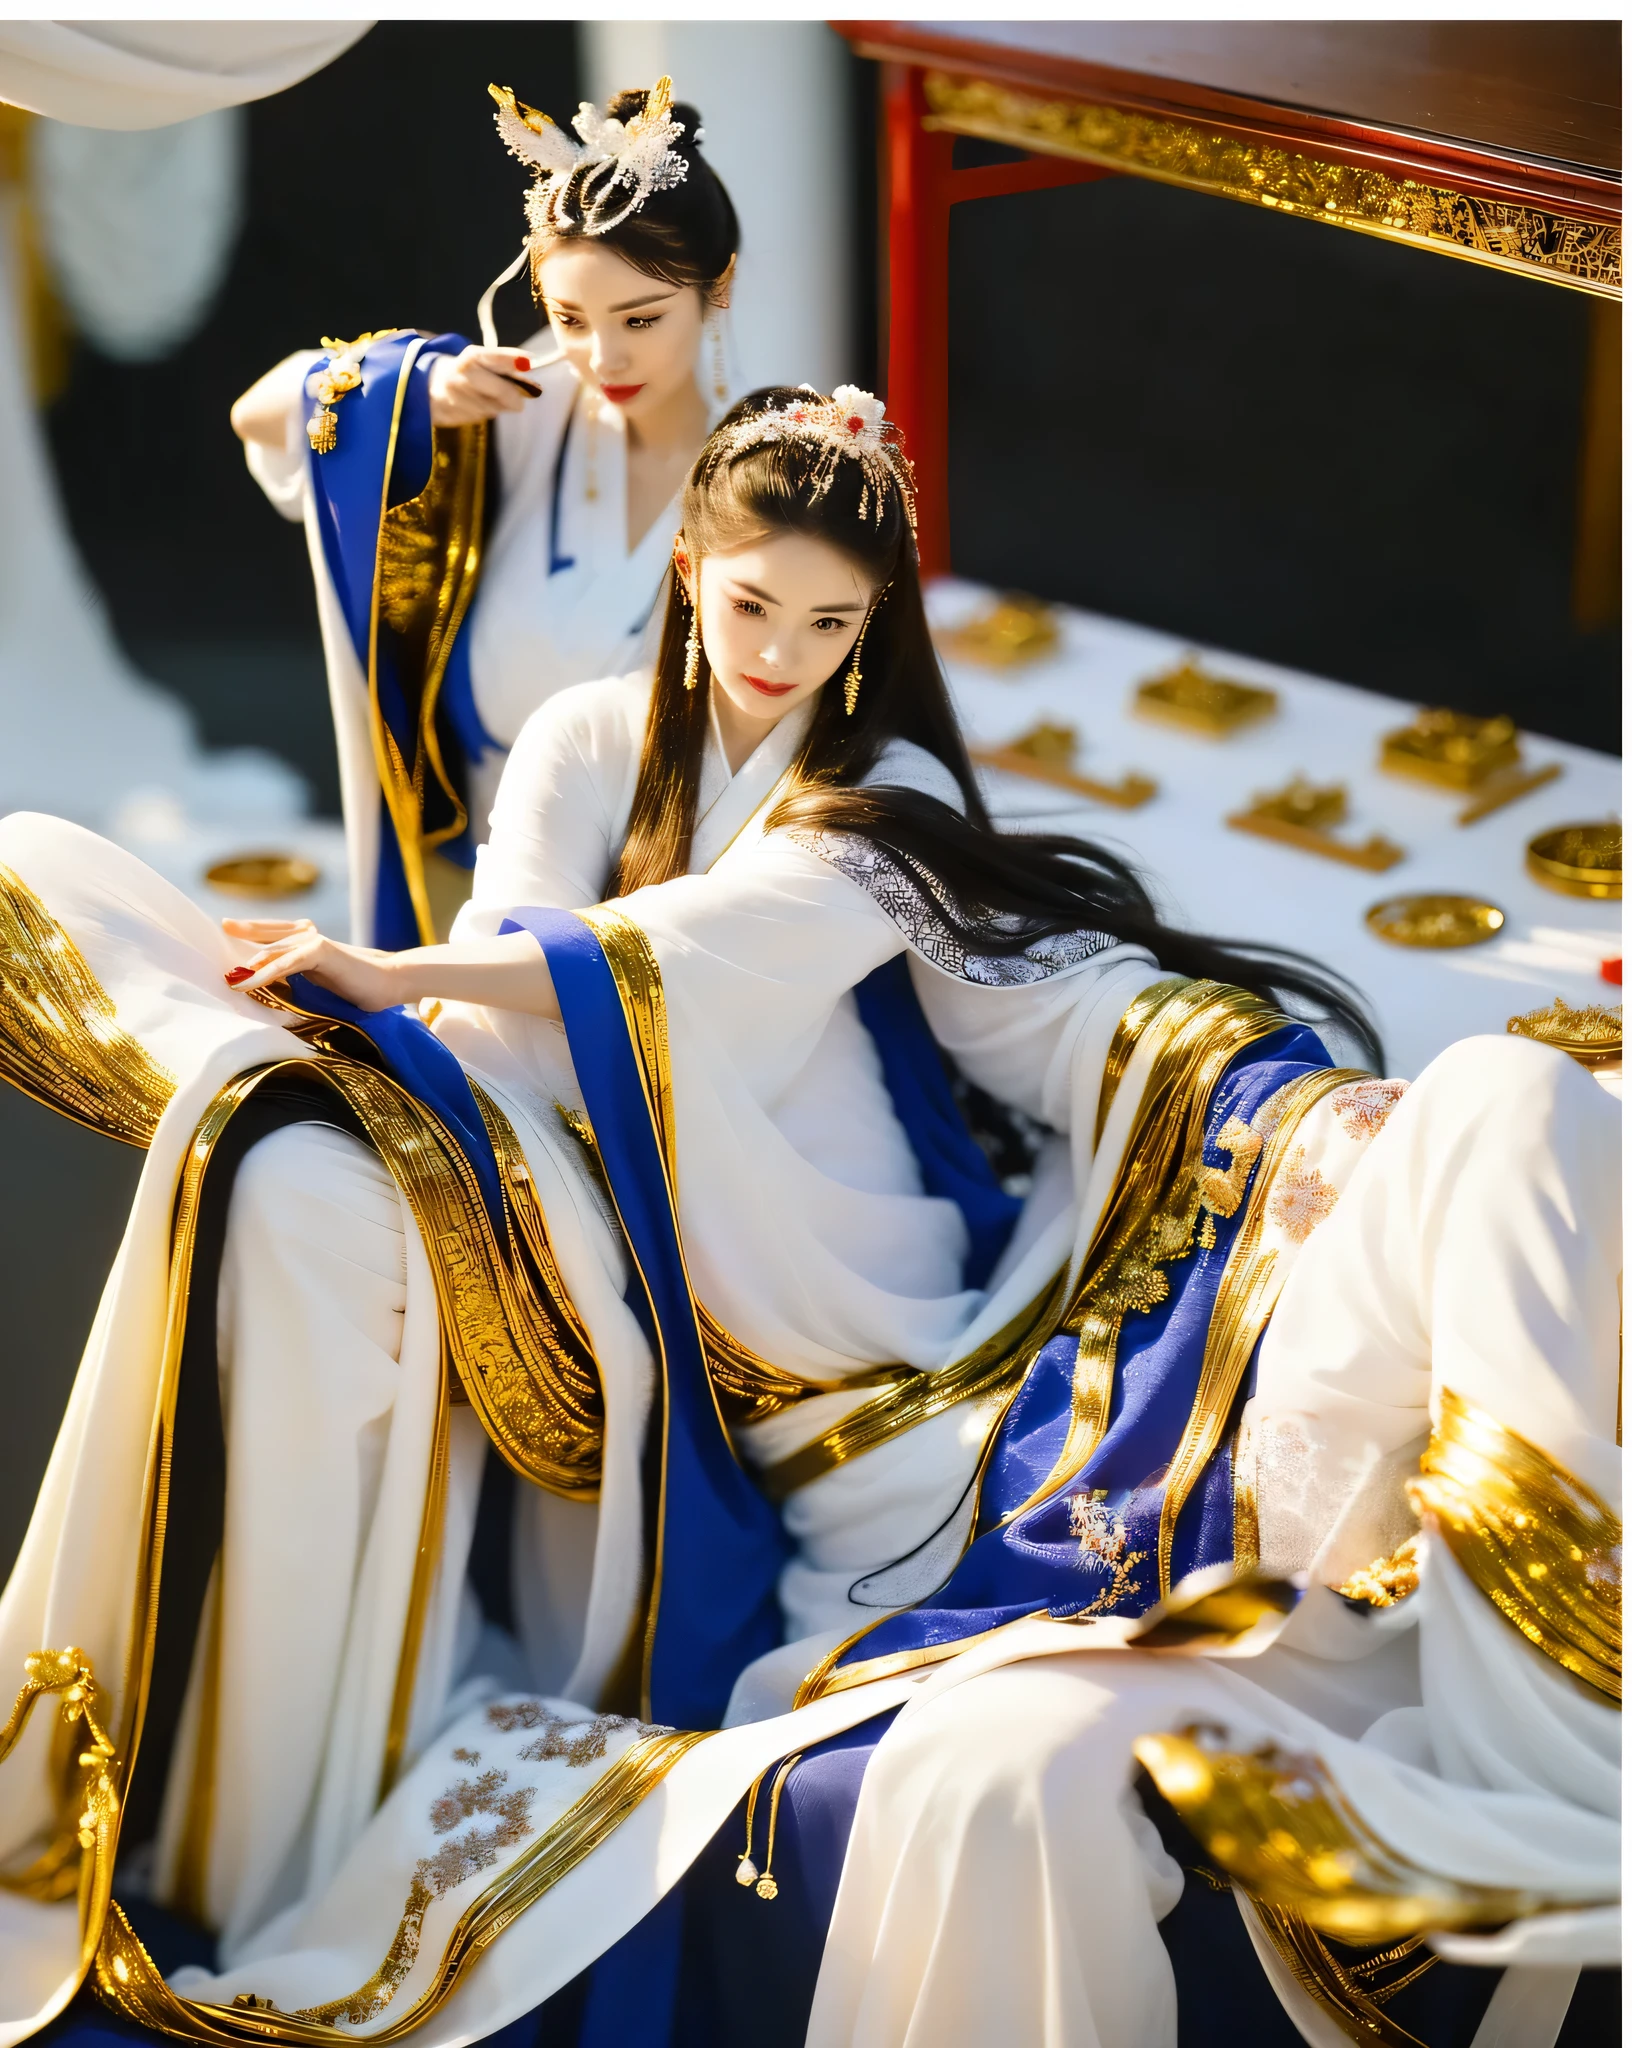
column 1016, row 630
column 1450, row 749
column 267, row 875
column 1196, row 702
column 1303, row 814
column 1046, row 754
column 1435, row 921
column 1577, row 860
column 1590, row 1034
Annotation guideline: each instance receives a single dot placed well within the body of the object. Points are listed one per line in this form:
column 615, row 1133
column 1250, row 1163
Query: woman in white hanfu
column 594, row 422
column 664, row 1194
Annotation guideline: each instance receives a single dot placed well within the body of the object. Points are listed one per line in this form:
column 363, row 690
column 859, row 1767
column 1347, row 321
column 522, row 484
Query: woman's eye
column 639, row 322
column 747, row 607
column 564, row 319
column 830, row 625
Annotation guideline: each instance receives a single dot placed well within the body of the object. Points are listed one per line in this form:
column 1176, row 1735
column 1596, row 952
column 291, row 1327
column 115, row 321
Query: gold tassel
column 852, row 675
column 322, row 430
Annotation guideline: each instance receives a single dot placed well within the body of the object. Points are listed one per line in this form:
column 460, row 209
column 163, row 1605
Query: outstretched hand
column 478, row 384
column 361, row 974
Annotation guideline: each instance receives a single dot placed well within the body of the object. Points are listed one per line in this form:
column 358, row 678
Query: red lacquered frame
column 923, row 189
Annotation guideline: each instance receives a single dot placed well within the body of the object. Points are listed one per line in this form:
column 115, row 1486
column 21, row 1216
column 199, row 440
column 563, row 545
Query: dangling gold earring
column 694, row 650
column 722, row 390
column 852, row 675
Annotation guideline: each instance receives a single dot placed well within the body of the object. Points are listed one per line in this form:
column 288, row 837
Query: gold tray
column 1435, row 921
column 1577, row 860
column 266, row 875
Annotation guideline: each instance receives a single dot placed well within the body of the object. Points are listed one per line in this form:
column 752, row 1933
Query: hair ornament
column 623, row 161
column 850, row 424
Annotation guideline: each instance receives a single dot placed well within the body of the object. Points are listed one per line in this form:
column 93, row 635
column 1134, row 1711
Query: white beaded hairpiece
column 850, row 424
column 623, row 161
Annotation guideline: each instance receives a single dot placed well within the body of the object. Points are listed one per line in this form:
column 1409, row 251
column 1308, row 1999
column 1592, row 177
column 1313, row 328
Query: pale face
column 778, row 618
column 626, row 335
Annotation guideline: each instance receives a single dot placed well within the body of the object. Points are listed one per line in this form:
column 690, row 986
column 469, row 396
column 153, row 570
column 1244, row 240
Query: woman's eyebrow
column 852, row 606
column 753, row 590
column 650, row 299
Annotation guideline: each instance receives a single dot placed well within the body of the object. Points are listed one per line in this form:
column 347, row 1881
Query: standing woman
column 529, row 496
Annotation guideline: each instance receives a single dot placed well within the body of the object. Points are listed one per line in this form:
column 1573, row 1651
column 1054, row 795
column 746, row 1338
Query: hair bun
column 624, row 105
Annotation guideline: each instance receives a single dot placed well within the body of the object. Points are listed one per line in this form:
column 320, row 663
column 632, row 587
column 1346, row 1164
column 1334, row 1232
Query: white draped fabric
column 146, row 74
column 807, row 1232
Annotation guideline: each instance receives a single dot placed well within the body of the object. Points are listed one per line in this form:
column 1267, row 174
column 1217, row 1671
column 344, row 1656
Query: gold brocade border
column 1356, row 2007
column 1247, row 1293
column 62, row 1043
column 1278, row 1823
column 1523, row 239
column 1537, row 1542
column 127, row 1980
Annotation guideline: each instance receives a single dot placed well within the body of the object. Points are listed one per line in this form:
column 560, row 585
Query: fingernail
column 238, row 974
column 524, row 362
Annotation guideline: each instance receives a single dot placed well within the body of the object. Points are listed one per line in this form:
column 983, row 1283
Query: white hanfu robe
column 807, row 1232
column 563, row 597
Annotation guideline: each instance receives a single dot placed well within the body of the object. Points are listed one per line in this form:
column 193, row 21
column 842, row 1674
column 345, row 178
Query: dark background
column 1354, row 458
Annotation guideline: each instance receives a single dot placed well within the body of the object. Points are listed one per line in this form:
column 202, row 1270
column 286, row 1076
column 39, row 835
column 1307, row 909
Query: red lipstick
column 621, row 394
column 769, row 689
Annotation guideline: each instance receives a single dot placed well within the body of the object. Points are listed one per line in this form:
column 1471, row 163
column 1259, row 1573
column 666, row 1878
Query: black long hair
column 998, row 891
column 685, row 235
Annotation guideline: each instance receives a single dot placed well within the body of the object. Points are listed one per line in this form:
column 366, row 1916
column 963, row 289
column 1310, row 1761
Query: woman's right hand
column 478, row 384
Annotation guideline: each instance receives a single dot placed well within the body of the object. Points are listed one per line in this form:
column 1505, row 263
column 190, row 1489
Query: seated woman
column 666, row 1196
column 488, row 526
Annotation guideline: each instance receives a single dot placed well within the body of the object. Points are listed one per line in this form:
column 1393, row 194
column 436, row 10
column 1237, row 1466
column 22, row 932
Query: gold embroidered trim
column 1354, row 1996
column 1244, row 1490
column 1278, row 1823
column 1151, row 1219
column 1365, row 1106
column 1559, row 247
column 1247, row 1293
column 62, row 1042
column 128, row 1981
column 86, row 1766
column 1536, row 1541
column 1386, row 1581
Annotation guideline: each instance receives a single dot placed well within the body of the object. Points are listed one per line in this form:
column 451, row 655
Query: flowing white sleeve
column 282, row 472
column 562, row 808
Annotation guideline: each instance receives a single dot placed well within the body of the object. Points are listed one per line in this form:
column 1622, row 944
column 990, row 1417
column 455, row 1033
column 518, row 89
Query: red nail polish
column 238, row 974
column 1611, row 971
column 524, row 362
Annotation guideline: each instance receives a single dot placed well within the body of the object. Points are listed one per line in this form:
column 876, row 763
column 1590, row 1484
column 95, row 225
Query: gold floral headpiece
column 623, row 162
column 849, row 426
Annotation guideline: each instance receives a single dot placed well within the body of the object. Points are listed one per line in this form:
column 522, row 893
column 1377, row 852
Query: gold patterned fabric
column 1540, row 1545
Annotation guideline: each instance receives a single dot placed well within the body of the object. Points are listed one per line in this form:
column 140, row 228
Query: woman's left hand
column 361, row 974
